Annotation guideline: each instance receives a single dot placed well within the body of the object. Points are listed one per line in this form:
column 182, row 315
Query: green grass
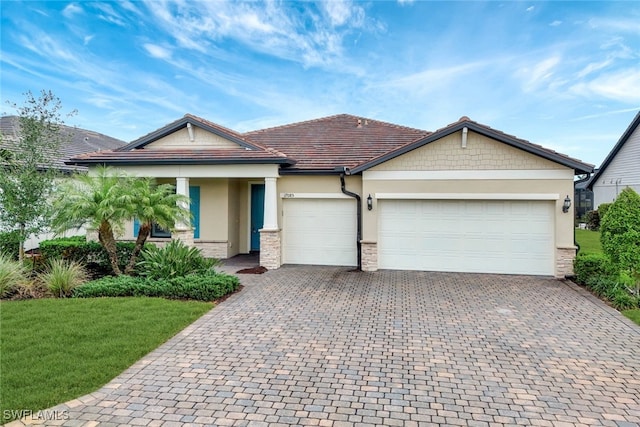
column 54, row 350
column 589, row 241
column 634, row 315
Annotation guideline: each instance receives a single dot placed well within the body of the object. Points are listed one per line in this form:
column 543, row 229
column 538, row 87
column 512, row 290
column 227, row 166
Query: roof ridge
column 334, row 116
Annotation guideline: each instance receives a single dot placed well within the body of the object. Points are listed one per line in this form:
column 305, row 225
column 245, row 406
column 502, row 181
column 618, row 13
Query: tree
column 157, row 204
column 620, row 234
column 107, row 199
column 27, row 166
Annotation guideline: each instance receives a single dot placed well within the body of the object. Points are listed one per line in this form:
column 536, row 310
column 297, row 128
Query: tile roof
column 183, row 156
column 335, row 141
column 80, row 141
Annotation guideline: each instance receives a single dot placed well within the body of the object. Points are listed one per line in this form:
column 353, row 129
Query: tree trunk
column 108, row 242
column 21, row 244
column 143, row 234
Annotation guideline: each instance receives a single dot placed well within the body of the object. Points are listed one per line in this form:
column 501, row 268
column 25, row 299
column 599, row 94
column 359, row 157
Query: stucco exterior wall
column 481, row 153
column 234, row 218
column 202, row 139
column 289, row 185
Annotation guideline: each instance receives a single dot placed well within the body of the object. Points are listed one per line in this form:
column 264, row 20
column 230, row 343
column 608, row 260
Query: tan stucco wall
column 214, row 200
column 234, row 218
column 482, row 153
column 180, row 139
column 293, row 184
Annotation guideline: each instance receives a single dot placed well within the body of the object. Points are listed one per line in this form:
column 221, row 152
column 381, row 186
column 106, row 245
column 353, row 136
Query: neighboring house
column 583, row 196
column 621, row 168
column 77, row 141
column 345, row 190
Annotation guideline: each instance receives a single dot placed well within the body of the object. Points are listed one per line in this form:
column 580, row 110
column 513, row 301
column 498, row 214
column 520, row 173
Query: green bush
column 62, row 277
column 12, row 275
column 90, row 254
column 602, row 210
column 10, row 243
column 202, row 287
column 620, row 234
column 590, row 266
column 174, row 260
column 593, row 220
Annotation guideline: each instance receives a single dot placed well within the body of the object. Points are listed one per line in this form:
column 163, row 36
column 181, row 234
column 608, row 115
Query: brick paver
column 325, row 346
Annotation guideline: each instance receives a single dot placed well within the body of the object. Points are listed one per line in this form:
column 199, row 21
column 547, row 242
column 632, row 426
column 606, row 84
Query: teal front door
column 257, row 214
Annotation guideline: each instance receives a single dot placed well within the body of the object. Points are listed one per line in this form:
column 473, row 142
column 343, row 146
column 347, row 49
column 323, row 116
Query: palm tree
column 102, row 201
column 157, row 204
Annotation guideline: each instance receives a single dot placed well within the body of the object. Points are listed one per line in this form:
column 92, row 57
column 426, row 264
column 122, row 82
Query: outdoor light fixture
column 369, row 202
column 566, row 205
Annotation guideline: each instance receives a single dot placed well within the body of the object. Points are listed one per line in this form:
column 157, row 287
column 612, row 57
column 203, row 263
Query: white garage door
column 493, row 236
column 319, row 231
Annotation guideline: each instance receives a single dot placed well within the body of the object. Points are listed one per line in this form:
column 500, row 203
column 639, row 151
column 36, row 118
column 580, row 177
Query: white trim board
column 446, row 175
column 467, row 196
column 314, row 196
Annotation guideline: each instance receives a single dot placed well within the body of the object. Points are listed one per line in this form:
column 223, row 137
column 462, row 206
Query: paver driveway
column 325, row 346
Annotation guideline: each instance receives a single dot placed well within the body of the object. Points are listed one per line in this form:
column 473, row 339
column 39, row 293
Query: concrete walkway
column 326, row 346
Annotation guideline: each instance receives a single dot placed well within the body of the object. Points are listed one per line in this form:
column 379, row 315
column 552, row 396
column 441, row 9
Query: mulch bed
column 253, row 270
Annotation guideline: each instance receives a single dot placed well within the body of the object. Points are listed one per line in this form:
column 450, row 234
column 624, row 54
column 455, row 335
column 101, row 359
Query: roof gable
column 578, row 166
column 635, row 123
column 185, row 123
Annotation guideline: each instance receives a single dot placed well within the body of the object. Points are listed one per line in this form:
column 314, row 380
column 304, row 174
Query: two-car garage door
column 488, row 236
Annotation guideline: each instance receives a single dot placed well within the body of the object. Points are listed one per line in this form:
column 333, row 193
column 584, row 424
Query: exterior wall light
column 369, row 202
column 566, row 205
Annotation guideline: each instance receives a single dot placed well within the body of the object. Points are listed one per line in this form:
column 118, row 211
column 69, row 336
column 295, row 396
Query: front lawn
column 634, row 315
column 54, row 350
column 589, row 241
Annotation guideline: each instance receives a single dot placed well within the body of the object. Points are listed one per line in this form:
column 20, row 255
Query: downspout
column 358, row 215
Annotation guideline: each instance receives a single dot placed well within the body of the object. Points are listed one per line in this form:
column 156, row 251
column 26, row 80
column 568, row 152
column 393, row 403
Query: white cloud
column 539, row 74
column 622, row 86
column 109, row 14
column 593, row 67
column 555, row 23
column 157, row 51
column 341, row 12
column 71, row 9
column 87, row 39
column 530, row 8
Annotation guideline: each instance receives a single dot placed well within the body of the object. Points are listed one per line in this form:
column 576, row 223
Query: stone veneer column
column 270, row 249
column 182, row 231
column 369, row 256
column 270, row 246
column 564, row 261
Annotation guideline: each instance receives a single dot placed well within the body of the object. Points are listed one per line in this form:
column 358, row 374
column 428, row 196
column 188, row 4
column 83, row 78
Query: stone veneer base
column 270, row 249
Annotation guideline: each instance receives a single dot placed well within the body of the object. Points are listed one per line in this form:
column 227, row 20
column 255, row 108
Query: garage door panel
column 319, row 231
column 472, row 235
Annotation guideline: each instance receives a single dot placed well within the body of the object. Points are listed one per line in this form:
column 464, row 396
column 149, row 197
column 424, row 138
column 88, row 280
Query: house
column 346, row 190
column 621, row 168
column 77, row 141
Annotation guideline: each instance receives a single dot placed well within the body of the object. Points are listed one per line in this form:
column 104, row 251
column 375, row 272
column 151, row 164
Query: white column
column 182, row 187
column 270, row 204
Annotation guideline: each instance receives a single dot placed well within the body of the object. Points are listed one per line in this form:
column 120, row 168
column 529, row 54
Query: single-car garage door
column 319, row 231
column 484, row 236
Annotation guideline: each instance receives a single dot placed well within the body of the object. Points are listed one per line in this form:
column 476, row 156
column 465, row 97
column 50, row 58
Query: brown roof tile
column 335, row 141
column 183, row 156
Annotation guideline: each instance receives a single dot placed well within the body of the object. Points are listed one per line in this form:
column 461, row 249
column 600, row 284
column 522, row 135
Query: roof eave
column 171, row 162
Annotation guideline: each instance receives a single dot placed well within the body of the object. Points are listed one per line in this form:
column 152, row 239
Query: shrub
column 10, row 243
column 62, row 277
column 91, row 254
column 202, row 287
column 602, row 210
column 174, row 260
column 620, row 234
column 12, row 275
column 590, row 266
column 593, row 220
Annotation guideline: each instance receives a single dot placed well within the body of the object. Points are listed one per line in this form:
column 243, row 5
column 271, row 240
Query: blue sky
column 565, row 75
